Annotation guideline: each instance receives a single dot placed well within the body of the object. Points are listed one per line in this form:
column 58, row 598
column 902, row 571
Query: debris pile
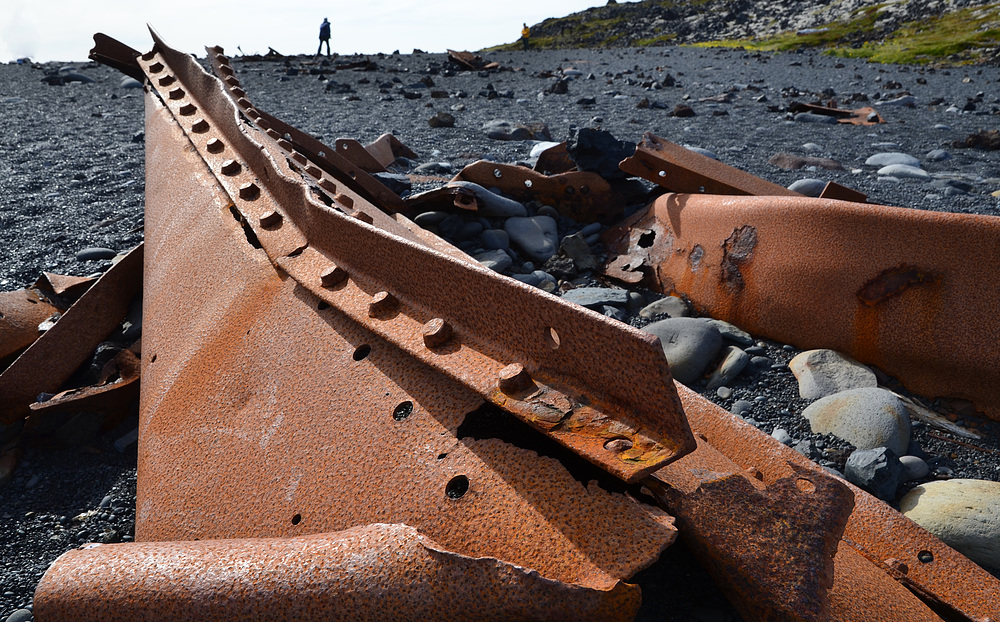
column 357, row 377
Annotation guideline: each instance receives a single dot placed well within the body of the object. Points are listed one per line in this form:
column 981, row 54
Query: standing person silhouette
column 525, row 35
column 324, row 37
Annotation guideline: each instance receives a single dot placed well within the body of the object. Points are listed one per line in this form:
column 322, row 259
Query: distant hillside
column 956, row 31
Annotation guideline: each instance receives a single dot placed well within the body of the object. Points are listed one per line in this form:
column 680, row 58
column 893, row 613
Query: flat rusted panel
column 53, row 358
column 333, row 411
column 891, row 545
column 374, row 572
column 897, row 288
column 681, row 170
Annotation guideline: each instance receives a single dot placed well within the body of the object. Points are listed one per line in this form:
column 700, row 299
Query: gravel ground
column 72, row 177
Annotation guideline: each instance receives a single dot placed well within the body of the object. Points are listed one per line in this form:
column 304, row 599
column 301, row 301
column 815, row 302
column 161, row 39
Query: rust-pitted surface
column 51, row 359
column 497, row 321
column 581, row 195
column 328, row 417
column 117, row 388
column 770, row 546
column 902, row 289
column 20, row 314
column 886, row 540
column 376, row 572
column 681, row 170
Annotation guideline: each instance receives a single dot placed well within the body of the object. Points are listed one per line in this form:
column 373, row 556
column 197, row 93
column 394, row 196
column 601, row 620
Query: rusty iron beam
column 53, row 357
column 580, row 195
column 681, row 170
column 372, row 572
column 355, row 183
column 878, row 543
column 901, row 289
column 358, row 367
column 116, row 54
column 376, row 156
column 555, row 160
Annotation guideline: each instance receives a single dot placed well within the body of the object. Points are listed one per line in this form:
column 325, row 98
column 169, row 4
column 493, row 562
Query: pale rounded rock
column 825, row 372
column 963, row 513
column 673, row 306
column 903, row 171
column 866, row 418
column 734, row 360
column 895, row 157
column 915, row 467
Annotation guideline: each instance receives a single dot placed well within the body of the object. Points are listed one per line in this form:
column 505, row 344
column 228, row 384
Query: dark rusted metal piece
column 681, row 170
column 355, row 152
column 51, row 359
column 62, row 285
column 877, row 542
column 114, row 53
column 117, row 389
column 580, row 195
column 470, row 61
column 20, row 314
column 386, row 148
column 555, row 160
column 372, row 573
column 858, row 116
column 821, row 274
column 833, row 190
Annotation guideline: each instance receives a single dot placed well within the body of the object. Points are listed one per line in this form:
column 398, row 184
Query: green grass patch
column 960, row 33
column 660, row 40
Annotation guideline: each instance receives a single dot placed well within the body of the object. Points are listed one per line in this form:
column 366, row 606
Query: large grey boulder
column 963, row 513
column 866, row 418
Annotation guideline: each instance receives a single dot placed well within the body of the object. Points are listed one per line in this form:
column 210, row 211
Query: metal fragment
column 362, row 573
column 681, row 170
column 51, row 359
column 580, row 195
column 20, row 314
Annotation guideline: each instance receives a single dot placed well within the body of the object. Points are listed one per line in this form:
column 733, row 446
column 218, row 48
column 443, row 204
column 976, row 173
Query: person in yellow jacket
column 525, row 35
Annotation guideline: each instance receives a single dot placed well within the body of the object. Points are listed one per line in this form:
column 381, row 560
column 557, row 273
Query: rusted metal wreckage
column 353, row 418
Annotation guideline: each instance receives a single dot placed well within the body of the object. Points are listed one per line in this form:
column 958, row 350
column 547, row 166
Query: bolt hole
column 925, row 557
column 527, row 183
column 296, row 519
column 322, row 305
column 442, row 456
column 152, row 359
column 646, row 239
column 362, row 351
column 552, row 338
column 618, row 444
column 457, row 487
column 701, row 189
column 404, row 410
column 662, row 173
column 805, row 485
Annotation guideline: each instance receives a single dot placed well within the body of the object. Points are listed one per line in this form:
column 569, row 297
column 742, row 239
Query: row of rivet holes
column 512, row 378
column 285, row 141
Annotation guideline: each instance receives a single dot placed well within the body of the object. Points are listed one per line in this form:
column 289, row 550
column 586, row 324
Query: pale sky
column 62, row 30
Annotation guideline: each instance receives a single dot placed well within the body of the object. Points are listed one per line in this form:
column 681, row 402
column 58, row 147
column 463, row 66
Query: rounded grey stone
column 825, row 372
column 689, row 344
column 866, row 418
column 733, row 362
column 669, row 305
column 95, row 253
column 915, row 467
column 809, row 187
column 494, row 239
column 903, row 171
column 496, row 260
column 537, row 236
column 741, row 407
column 894, row 157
